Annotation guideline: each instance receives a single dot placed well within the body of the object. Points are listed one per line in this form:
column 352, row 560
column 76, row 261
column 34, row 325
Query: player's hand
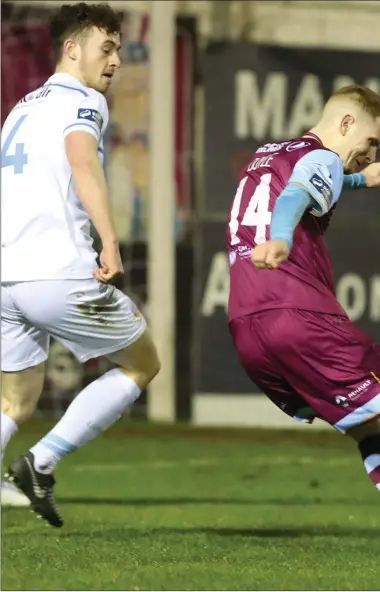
column 111, row 266
column 270, row 255
column 372, row 174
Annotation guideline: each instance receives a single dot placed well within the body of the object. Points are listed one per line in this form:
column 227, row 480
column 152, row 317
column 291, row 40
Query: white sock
column 8, row 429
column 94, row 410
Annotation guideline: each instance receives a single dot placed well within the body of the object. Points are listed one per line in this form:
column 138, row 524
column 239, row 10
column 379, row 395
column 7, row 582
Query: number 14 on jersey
column 257, row 213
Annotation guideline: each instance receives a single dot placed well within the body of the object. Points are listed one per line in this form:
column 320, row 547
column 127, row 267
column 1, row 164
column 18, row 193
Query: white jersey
column 45, row 230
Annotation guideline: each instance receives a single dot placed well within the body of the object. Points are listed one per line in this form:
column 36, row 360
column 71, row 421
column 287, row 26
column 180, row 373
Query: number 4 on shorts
column 19, row 159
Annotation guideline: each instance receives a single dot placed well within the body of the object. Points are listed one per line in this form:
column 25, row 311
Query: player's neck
column 61, row 69
column 324, row 135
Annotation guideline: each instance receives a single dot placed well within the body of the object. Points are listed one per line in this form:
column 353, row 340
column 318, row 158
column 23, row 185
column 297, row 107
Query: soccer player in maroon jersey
column 293, row 338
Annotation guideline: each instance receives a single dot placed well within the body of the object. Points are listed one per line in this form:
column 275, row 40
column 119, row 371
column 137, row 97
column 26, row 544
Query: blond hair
column 362, row 96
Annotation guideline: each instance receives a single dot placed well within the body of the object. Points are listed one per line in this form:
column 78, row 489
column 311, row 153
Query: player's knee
column 371, row 428
column 140, row 360
column 142, row 368
column 148, row 368
column 20, row 411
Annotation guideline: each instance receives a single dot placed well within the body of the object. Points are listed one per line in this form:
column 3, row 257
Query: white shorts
column 89, row 318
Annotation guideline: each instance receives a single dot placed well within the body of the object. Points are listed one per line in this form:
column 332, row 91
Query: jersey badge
column 91, row 115
column 321, row 186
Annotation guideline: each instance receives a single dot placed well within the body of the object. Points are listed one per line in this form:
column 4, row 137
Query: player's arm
column 82, row 136
column 315, row 185
column 369, row 177
column 288, row 211
column 85, row 124
column 90, row 182
column 354, row 181
column 296, row 199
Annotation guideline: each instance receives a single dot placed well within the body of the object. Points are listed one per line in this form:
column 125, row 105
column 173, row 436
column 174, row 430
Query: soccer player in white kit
column 53, row 184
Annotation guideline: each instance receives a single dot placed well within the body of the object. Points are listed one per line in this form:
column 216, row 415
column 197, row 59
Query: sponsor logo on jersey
column 25, row 99
column 91, row 115
column 340, row 400
column 244, row 251
column 290, row 146
column 361, row 389
column 272, row 147
column 297, row 146
column 322, row 186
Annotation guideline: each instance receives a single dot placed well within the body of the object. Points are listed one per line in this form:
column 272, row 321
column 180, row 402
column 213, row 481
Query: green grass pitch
column 176, row 508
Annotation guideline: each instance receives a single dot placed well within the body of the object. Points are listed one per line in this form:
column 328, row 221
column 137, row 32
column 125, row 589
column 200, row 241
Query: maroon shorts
column 311, row 364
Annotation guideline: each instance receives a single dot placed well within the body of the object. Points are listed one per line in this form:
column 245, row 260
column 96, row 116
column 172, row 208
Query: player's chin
column 103, row 84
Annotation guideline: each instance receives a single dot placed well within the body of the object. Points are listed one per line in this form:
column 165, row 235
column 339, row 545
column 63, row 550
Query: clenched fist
column 111, row 266
column 270, row 255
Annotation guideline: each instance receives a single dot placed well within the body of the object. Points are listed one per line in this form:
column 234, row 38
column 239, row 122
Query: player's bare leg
column 92, row 412
column 367, row 436
column 139, row 361
column 20, row 393
column 19, row 396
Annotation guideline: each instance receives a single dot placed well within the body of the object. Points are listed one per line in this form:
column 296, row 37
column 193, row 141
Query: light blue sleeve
column 320, row 172
column 288, row 211
column 354, row 181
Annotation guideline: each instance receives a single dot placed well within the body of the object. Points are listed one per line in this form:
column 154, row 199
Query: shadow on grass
column 184, row 501
column 112, row 534
column 122, row 533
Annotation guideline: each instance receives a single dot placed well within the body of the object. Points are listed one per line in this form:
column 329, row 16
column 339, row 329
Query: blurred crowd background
column 245, row 73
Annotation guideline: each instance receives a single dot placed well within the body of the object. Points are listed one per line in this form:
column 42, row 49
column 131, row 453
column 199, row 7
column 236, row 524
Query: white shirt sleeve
column 320, row 172
column 89, row 114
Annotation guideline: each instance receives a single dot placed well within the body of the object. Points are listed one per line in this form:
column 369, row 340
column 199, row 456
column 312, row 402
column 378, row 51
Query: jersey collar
column 64, row 78
column 312, row 135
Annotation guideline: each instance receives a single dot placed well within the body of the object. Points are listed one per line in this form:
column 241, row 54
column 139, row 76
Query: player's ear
column 70, row 49
column 346, row 124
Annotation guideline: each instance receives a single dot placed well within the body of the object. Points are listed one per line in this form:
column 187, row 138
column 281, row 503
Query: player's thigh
column 89, row 318
column 249, row 336
column 330, row 362
column 139, row 359
column 23, row 344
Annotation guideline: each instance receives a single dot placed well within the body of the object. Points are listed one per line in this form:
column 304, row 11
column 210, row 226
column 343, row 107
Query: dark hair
column 363, row 96
column 77, row 19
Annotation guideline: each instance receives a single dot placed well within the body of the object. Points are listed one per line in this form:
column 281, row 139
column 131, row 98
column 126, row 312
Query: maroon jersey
column 305, row 281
